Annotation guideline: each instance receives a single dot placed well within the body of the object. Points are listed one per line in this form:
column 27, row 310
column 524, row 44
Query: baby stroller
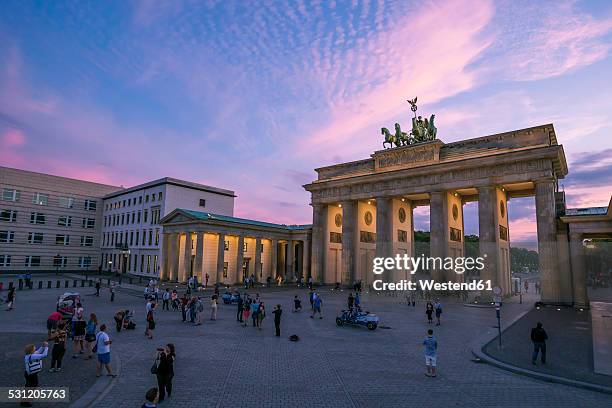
column 128, row 323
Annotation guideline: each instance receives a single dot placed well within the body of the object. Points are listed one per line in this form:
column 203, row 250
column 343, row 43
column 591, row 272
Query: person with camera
column 164, row 370
column 33, row 365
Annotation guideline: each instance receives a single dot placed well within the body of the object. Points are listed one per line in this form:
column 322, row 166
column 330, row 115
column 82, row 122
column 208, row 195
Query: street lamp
column 110, row 265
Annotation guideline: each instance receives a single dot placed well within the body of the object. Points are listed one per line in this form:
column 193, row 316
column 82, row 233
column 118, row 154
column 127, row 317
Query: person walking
column 150, row 321
column 239, row 303
column 311, row 299
column 316, row 306
column 98, row 288
column 166, row 300
column 538, row 337
column 59, row 347
column 10, row 299
column 103, row 343
column 310, row 282
column 246, row 312
column 277, row 319
column 438, row 309
column 80, row 326
column 429, row 308
column 214, row 303
column 90, row 334
column 174, row 301
column 526, row 284
column 297, row 304
column 261, row 314
column 206, row 281
column 254, row 311
column 431, row 352
column 33, row 365
column 184, row 303
column 165, row 370
column 112, row 289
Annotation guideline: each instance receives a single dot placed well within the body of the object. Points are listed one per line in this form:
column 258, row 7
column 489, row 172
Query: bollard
column 48, row 284
column 74, row 283
column 40, row 284
column 57, row 284
column 66, row 283
column 82, row 283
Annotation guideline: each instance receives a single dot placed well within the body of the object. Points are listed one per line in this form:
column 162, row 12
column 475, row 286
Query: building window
column 145, row 213
column 225, row 265
column 35, row 238
column 89, row 223
column 7, row 236
column 87, row 241
column 140, row 200
column 129, row 202
column 123, row 204
column 5, row 260
column 147, row 198
column 84, row 261
column 135, row 262
column 61, row 239
column 59, row 261
column 137, row 234
column 133, row 214
column 152, row 197
column 91, row 205
column 148, row 263
column 10, row 194
column 154, row 263
column 64, row 221
column 37, row 218
column 402, row 236
column 151, row 237
column 122, row 219
column 335, row 237
column 155, row 215
column 156, row 237
column 66, row 202
column 8, row 215
column 138, row 221
column 32, row 261
column 144, row 237
column 202, row 202
column 131, row 238
column 159, row 196
column 226, row 245
column 141, row 263
column 40, row 199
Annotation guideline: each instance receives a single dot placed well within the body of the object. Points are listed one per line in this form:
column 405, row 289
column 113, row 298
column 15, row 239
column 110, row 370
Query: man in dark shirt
column 239, row 311
column 538, row 337
column 277, row 319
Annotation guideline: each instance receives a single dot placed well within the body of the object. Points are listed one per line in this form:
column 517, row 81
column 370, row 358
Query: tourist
column 90, row 333
column 429, row 308
column 261, row 314
column 165, row 370
column 59, row 347
column 52, row 322
column 538, row 337
column 239, row 303
column 310, row 282
column 297, row 304
column 277, row 319
column 98, row 288
column 78, row 338
column 112, row 289
column 151, row 398
column 190, row 282
column 438, row 309
column 526, row 284
column 311, row 299
column 246, row 311
column 77, row 313
column 175, row 301
column 431, row 351
column 357, row 301
column 10, row 299
column 33, row 365
column 316, row 306
column 166, row 300
column 146, row 292
column 254, row 311
column 150, row 321
column 350, row 301
column 102, row 347
column 206, row 281
column 214, row 303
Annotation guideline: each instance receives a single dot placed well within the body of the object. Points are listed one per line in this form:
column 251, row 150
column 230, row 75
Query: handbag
column 95, row 348
column 154, row 368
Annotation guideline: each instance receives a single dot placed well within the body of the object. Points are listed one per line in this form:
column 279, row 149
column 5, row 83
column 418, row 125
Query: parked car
column 358, row 318
column 67, row 302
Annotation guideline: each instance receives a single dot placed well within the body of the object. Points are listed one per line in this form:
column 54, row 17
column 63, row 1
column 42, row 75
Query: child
column 431, row 352
column 297, row 304
column 151, row 398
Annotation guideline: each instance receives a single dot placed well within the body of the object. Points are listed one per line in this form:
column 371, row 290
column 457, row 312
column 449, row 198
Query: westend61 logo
column 458, row 265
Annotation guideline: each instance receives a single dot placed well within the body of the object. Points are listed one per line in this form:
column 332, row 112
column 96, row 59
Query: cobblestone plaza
column 223, row 364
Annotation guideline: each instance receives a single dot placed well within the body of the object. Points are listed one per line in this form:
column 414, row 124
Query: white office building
column 132, row 237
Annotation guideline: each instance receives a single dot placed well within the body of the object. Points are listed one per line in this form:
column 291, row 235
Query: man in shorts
column 431, row 353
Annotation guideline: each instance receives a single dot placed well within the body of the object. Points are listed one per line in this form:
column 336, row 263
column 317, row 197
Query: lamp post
column 110, row 265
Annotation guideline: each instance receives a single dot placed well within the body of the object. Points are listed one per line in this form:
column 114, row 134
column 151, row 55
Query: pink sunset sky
column 254, row 97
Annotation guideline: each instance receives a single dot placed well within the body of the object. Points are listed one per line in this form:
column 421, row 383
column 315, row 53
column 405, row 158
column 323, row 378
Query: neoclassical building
column 228, row 249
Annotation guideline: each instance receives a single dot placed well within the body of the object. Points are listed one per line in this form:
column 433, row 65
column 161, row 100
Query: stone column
column 198, row 267
column 384, row 234
column 289, row 271
column 258, row 274
column 239, row 259
column 545, row 215
column 185, row 272
column 349, row 232
column 273, row 258
column 220, row 257
column 305, row 259
column 487, row 234
column 165, row 257
column 175, row 240
column 579, row 276
column 319, row 242
column 438, row 213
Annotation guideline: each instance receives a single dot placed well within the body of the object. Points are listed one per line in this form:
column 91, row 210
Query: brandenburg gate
column 364, row 209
